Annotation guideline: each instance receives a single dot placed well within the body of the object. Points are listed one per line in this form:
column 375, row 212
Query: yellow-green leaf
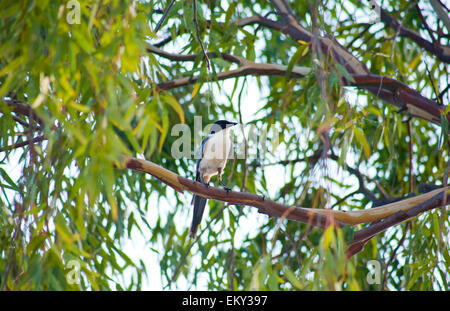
column 362, row 140
column 169, row 99
column 195, row 90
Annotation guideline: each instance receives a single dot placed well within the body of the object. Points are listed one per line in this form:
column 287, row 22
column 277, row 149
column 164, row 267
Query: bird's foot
column 224, row 186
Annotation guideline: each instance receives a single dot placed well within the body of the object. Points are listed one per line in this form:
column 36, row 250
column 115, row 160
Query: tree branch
column 250, row 68
column 434, row 199
column 390, row 90
column 438, row 8
column 440, row 51
column 197, row 32
column 355, row 217
column 425, row 24
column 23, row 143
column 317, row 217
column 166, row 11
column 265, row 206
column 24, row 110
column 192, row 57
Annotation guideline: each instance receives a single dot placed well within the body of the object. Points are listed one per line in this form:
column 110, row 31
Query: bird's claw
column 224, row 186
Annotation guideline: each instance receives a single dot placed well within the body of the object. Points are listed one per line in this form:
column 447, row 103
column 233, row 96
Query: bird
column 212, row 159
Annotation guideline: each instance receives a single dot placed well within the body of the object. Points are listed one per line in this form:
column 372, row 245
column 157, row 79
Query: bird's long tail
column 199, row 208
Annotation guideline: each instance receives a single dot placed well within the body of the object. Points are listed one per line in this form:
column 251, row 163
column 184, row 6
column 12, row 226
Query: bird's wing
column 199, row 156
column 197, row 170
column 204, row 143
column 201, row 149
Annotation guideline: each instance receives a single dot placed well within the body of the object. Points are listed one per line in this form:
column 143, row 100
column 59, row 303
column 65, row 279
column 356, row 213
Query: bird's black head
column 224, row 123
column 220, row 125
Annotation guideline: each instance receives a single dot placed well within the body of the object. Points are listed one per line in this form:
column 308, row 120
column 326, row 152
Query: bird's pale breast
column 215, row 154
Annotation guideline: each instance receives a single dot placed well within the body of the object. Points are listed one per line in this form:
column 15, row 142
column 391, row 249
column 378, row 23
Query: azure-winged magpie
column 213, row 155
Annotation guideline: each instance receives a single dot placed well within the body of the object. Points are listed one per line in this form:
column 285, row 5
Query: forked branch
column 387, row 215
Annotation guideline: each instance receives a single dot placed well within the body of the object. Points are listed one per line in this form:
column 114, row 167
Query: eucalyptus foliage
column 79, row 89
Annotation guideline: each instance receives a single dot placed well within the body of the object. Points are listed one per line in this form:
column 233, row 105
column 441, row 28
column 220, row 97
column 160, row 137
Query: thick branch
column 259, row 20
column 317, row 217
column 382, row 212
column 400, row 95
column 388, row 89
column 395, row 92
column 265, row 206
column 438, row 7
column 361, row 237
column 329, row 46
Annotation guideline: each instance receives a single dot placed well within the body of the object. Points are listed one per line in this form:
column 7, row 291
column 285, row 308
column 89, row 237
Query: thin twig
column 345, row 198
column 166, row 11
column 425, row 24
column 295, row 243
column 22, row 144
column 441, row 94
column 241, row 121
column 163, row 41
column 411, row 180
column 183, row 259
column 192, row 57
column 198, row 34
column 432, row 84
column 19, row 120
column 394, row 41
column 394, row 253
column 20, row 108
column 362, row 188
column 349, row 45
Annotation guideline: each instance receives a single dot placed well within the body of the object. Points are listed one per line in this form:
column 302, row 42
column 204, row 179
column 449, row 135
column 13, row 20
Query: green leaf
column 343, row 72
column 169, row 99
column 302, row 50
column 8, row 179
column 36, row 242
column 292, row 278
column 362, row 140
column 230, row 11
